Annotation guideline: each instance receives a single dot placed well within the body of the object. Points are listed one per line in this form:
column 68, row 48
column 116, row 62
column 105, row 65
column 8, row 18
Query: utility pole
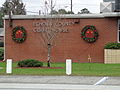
column 71, row 6
column 51, row 6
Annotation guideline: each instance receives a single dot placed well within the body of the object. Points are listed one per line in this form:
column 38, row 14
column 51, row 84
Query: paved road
column 10, row 82
column 19, row 86
column 81, row 80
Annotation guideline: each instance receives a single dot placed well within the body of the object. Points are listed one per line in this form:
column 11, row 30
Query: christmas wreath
column 89, row 33
column 19, row 34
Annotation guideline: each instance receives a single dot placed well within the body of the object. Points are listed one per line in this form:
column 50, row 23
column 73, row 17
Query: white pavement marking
column 55, row 86
column 101, row 80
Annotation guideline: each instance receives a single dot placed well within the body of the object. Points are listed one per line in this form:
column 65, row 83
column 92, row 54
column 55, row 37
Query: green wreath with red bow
column 19, row 34
column 89, row 34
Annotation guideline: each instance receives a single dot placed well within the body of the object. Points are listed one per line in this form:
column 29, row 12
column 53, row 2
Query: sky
column 33, row 6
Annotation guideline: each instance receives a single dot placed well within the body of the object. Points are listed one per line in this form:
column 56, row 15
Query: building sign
column 52, row 26
column 49, row 24
column 59, row 30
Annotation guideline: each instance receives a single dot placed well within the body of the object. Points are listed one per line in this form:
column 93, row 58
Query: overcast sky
column 36, row 5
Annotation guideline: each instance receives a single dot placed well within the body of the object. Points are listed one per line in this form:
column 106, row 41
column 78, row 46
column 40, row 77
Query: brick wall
column 67, row 45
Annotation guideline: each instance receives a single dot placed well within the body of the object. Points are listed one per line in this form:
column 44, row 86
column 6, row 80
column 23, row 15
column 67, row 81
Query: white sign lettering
column 60, row 26
column 48, row 24
column 39, row 30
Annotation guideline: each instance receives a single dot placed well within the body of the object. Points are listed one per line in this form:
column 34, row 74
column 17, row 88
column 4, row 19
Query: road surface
column 23, row 86
column 10, row 82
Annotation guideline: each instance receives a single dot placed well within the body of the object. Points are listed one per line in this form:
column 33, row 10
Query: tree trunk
column 49, row 55
column 48, row 61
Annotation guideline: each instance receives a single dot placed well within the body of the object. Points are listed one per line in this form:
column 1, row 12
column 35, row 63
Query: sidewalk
column 76, row 80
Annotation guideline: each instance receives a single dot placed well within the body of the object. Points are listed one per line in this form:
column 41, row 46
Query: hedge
column 30, row 63
column 112, row 45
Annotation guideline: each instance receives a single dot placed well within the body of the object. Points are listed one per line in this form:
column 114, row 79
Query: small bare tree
column 49, row 35
column 51, row 29
column 53, row 26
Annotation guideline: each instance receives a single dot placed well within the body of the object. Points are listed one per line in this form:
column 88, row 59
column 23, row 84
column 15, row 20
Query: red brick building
column 68, row 44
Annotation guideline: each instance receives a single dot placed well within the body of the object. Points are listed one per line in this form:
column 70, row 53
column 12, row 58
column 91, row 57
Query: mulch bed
column 41, row 67
column 1, row 61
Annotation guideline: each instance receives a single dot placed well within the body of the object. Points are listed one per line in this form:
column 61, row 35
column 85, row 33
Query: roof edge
column 98, row 15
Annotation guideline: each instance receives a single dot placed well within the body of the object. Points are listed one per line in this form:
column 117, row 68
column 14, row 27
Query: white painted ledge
column 71, row 16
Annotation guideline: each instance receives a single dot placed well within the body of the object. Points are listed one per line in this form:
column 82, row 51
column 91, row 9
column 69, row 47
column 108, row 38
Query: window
column 119, row 31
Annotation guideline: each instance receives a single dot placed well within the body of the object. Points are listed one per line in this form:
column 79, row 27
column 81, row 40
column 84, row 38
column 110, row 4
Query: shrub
column 1, row 53
column 30, row 63
column 112, row 45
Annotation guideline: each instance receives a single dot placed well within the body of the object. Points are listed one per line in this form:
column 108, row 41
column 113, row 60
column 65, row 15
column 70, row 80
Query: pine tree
column 15, row 6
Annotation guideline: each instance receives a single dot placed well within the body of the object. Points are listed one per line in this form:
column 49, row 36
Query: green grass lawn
column 87, row 69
